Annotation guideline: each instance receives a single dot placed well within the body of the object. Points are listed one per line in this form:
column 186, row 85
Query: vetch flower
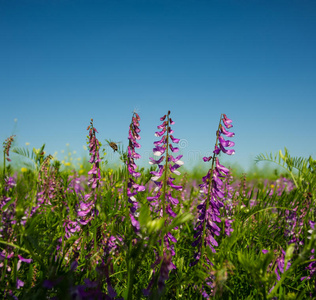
column 7, row 145
column 167, row 164
column 214, row 194
column 311, row 268
column 163, row 201
column 166, row 267
column 132, row 187
column 94, row 147
column 86, row 209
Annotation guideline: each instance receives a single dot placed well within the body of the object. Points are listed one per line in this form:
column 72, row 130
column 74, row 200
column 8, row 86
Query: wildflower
column 132, row 187
column 167, row 165
column 85, row 210
column 213, row 195
column 77, row 184
column 227, row 213
column 163, row 276
column 311, row 268
column 19, row 283
column 7, row 211
column 163, row 200
column 94, row 147
column 70, row 227
column 7, row 145
column 45, row 181
column 280, row 267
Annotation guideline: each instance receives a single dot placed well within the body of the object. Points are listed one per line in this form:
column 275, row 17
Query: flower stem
column 166, row 169
column 165, row 179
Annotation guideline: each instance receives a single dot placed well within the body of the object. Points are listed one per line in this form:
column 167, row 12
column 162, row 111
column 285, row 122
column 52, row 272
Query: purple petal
column 160, row 133
column 176, row 187
column 229, row 152
column 216, row 150
column 171, row 212
column 207, row 158
column 221, row 168
column 19, row 283
column 225, row 143
column 227, row 133
column 227, row 122
column 176, row 141
column 163, row 125
column 174, row 201
column 171, row 237
column 163, row 118
column 173, row 149
column 153, row 161
column 24, row 259
column 134, row 222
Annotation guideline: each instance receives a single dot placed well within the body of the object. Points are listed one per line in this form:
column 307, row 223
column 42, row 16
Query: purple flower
column 163, row 200
column 133, row 187
column 311, row 268
column 27, row 260
column 214, row 194
column 166, row 267
column 19, row 283
column 94, row 147
column 86, row 209
column 205, row 159
column 280, row 265
column 225, row 132
column 71, row 227
column 7, row 145
column 163, row 146
column 225, row 143
column 161, row 276
column 10, row 183
column 227, row 122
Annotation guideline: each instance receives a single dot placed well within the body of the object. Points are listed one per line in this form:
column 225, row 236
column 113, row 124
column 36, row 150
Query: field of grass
column 159, row 233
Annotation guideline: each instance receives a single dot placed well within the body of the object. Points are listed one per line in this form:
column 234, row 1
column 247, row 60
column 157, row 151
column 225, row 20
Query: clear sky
column 63, row 62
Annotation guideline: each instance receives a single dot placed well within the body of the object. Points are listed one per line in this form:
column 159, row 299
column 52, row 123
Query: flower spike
column 163, row 201
column 132, row 187
column 213, row 190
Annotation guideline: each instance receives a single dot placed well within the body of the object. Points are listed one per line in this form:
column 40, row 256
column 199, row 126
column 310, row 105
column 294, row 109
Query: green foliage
column 239, row 269
column 302, row 170
column 32, row 160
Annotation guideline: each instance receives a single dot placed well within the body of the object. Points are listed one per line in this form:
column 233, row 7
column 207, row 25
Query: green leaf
column 179, row 220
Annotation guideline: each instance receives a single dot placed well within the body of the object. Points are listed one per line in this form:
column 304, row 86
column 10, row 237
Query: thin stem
column 130, row 276
column 165, row 179
column 166, row 170
column 14, row 246
column 131, row 267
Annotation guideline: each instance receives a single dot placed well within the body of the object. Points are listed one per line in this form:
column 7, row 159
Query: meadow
column 156, row 233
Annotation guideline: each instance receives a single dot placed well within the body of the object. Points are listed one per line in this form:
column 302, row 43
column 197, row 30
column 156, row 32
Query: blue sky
column 64, row 62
